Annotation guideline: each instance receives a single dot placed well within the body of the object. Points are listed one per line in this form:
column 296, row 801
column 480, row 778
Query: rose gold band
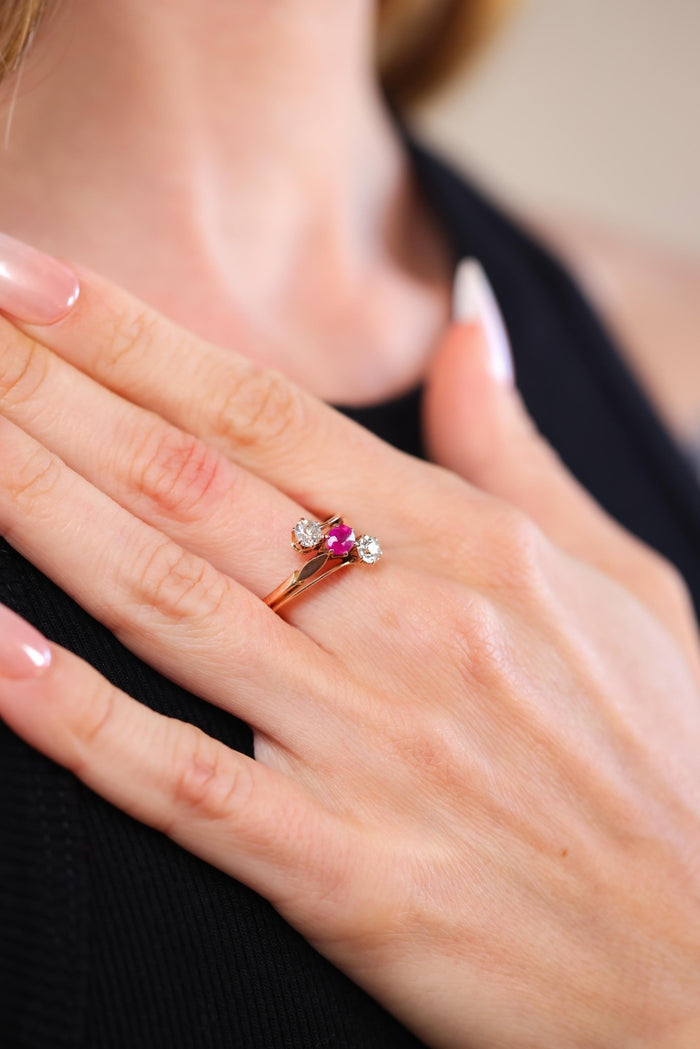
column 299, row 581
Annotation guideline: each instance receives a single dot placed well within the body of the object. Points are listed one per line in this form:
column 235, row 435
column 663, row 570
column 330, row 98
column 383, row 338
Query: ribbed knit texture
column 111, row 937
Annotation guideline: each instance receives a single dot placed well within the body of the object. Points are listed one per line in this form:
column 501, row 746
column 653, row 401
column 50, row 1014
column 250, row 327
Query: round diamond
column 369, row 549
column 308, row 534
column 340, row 540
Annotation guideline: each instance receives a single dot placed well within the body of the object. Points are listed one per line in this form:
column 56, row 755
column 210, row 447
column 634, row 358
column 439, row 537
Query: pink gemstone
column 340, row 540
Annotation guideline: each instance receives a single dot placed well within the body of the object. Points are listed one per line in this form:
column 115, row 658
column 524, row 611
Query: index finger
column 252, row 414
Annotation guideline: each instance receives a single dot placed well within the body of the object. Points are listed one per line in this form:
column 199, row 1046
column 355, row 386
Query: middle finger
column 252, row 415
column 167, row 478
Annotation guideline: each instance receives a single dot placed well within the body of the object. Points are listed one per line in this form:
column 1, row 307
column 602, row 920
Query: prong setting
column 307, row 535
column 368, row 549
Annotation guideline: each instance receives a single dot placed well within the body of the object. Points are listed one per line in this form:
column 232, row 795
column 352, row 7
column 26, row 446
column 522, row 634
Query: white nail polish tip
column 475, row 303
column 465, row 298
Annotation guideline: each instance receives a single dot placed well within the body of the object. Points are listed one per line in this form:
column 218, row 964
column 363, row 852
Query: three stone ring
column 333, row 545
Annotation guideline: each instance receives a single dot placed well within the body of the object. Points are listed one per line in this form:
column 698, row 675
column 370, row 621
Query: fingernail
column 34, row 288
column 475, row 303
column 24, row 652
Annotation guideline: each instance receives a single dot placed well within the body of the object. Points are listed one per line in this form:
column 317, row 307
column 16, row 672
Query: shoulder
column 649, row 295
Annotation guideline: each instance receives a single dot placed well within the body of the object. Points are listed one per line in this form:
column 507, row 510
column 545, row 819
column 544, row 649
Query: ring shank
column 298, row 582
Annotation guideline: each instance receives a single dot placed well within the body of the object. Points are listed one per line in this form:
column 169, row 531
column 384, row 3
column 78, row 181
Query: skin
column 196, row 221
column 534, row 668
column 542, row 888
column 265, row 211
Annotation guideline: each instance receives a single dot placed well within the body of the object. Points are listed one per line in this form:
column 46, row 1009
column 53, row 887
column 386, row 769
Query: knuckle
column 128, row 332
column 515, row 551
column 259, row 407
column 96, row 718
column 476, row 637
column 209, row 783
column 666, row 581
column 33, row 482
column 23, row 370
column 465, row 626
column 174, row 471
column 176, row 583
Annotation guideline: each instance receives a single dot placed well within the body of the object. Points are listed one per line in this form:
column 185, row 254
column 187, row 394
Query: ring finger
column 172, row 608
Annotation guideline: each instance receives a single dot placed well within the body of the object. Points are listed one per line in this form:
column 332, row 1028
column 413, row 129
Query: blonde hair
column 18, row 21
column 421, row 43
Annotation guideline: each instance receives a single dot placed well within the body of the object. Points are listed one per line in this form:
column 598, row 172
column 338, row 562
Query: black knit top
column 111, row 936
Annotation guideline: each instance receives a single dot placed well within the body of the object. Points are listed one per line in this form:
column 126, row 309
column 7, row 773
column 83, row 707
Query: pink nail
column 475, row 303
column 34, row 288
column 24, row 652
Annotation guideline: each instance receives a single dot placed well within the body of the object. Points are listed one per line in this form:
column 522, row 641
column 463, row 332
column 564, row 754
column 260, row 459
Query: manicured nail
column 34, row 288
column 24, row 652
column 475, row 303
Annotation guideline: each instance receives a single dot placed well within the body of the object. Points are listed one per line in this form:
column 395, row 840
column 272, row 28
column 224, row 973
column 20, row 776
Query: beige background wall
column 591, row 106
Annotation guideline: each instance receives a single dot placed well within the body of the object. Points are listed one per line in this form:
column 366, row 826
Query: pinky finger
column 229, row 810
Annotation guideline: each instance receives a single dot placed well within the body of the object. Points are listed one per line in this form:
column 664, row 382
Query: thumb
column 476, row 424
column 470, row 384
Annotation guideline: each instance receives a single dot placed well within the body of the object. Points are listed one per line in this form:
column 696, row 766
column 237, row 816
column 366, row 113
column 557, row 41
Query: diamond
column 368, row 549
column 340, row 540
column 308, row 534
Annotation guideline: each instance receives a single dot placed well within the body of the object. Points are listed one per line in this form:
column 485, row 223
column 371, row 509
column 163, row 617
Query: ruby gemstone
column 340, row 540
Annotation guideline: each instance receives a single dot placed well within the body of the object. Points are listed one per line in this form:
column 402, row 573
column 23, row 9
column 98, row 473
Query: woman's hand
column 476, row 788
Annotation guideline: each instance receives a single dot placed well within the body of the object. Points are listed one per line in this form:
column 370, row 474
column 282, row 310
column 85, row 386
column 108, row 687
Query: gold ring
column 333, row 546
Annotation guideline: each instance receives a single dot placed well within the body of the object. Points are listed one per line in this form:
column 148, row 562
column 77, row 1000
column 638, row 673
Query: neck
column 231, row 162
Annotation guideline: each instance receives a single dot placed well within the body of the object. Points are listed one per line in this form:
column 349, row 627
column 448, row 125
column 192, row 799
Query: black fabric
column 114, row 938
